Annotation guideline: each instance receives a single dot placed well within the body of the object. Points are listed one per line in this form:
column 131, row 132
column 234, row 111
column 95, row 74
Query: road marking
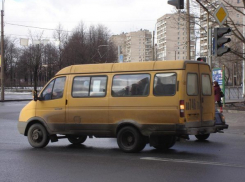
column 192, row 162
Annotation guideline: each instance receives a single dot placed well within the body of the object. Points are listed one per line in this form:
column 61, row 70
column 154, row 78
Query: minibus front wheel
column 130, row 140
column 76, row 139
column 38, row 136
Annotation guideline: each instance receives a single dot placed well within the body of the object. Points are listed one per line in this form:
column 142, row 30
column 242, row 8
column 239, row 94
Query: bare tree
column 61, row 37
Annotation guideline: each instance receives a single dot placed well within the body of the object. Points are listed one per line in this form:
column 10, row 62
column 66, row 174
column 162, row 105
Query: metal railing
column 233, row 93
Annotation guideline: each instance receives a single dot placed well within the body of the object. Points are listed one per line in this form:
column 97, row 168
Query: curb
column 233, row 111
column 16, row 100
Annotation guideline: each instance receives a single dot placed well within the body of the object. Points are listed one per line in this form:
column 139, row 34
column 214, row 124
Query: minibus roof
column 126, row 67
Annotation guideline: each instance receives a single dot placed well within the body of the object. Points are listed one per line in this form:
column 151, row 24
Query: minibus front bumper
column 22, row 127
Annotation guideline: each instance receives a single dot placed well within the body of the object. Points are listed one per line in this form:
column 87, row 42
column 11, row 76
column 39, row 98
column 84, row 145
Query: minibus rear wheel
column 76, row 139
column 130, row 140
column 38, row 136
column 202, row 137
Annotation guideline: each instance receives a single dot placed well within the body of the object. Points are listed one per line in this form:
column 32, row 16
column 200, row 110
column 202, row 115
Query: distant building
column 172, row 38
column 120, row 42
column 134, row 46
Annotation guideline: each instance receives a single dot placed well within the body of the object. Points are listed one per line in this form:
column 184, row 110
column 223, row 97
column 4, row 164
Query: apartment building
column 134, row 46
column 120, row 42
column 172, row 38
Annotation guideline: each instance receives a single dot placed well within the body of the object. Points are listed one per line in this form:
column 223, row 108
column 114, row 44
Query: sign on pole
column 219, row 76
column 221, row 14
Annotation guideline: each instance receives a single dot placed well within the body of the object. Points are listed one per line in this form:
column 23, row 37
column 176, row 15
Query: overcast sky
column 118, row 15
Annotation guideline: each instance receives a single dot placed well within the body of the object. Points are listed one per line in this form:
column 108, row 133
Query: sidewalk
column 233, row 106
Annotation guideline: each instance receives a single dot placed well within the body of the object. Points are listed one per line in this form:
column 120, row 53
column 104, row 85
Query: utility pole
column 243, row 55
column 188, row 28
column 208, row 42
column 2, row 54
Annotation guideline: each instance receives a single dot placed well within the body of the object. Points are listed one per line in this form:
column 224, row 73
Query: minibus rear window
column 131, row 85
column 192, row 84
column 206, row 85
column 165, row 84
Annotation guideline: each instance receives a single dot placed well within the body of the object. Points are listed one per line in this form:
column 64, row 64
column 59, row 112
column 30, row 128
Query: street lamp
column 2, row 53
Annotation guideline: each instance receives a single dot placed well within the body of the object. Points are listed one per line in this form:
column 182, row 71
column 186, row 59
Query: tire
column 38, row 136
column 76, row 139
column 165, row 142
column 202, row 137
column 130, row 140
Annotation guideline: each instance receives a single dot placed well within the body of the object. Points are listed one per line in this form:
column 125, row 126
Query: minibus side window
column 98, row 86
column 80, row 87
column 94, row 86
column 130, row 85
column 206, row 85
column 192, row 84
column 165, row 84
column 55, row 89
column 47, row 93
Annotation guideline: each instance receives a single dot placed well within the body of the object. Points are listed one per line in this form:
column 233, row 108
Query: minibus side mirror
column 35, row 97
column 34, row 94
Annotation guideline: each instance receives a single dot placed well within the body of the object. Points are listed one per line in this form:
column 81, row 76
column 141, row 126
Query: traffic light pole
column 2, row 55
column 209, row 57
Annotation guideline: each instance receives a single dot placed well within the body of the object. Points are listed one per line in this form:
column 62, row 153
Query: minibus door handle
column 58, row 108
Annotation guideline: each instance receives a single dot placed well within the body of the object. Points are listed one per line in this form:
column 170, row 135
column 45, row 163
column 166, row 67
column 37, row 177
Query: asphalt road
column 221, row 158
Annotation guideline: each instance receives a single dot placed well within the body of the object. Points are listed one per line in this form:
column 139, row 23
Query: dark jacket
column 217, row 91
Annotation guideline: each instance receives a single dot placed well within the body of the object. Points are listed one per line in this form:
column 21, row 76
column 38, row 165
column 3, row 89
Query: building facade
column 172, row 38
column 134, row 46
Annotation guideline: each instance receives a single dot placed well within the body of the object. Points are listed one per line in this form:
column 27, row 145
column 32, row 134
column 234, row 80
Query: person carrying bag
column 218, row 94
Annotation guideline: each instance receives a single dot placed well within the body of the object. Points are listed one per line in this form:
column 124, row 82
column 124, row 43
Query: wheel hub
column 130, row 139
column 36, row 135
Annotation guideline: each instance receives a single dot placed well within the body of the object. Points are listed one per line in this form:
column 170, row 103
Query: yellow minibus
column 138, row 103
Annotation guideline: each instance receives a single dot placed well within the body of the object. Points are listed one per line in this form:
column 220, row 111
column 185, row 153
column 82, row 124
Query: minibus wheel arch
column 124, row 124
column 30, row 123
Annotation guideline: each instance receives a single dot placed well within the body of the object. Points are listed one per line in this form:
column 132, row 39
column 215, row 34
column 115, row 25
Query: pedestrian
column 217, row 94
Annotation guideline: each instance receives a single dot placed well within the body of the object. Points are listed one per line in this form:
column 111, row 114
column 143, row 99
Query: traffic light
column 219, row 41
column 179, row 4
column 202, row 59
